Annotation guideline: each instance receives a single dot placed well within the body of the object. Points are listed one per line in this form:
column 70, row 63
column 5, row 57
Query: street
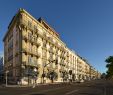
column 95, row 87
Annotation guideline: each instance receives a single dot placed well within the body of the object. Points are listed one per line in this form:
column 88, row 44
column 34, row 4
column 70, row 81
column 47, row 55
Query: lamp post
column 34, row 84
column 6, row 76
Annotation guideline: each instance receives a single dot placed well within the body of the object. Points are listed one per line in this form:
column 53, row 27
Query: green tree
column 52, row 75
column 109, row 65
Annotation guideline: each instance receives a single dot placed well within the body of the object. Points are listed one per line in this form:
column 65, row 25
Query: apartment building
column 34, row 52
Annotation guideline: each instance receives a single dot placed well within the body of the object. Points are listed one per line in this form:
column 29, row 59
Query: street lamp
column 6, row 76
column 35, row 70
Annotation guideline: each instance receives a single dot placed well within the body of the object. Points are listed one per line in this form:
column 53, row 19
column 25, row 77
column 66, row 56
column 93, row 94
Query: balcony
column 25, row 23
column 62, row 48
column 61, row 69
column 31, row 40
column 56, row 44
column 67, row 54
column 36, row 54
column 67, row 66
column 32, row 64
column 25, row 38
column 50, row 40
column 51, row 50
column 62, row 63
column 25, row 50
column 63, row 56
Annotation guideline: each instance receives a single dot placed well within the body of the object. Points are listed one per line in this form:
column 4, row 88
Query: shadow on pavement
column 86, row 94
column 37, row 94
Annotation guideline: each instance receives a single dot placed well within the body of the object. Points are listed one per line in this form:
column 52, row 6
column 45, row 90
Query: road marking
column 71, row 92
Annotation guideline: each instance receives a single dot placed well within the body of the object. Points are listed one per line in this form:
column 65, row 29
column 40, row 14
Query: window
column 29, row 36
column 44, row 43
column 29, row 24
column 35, row 39
column 44, row 62
column 30, row 47
column 35, row 61
column 10, row 45
column 51, row 56
column 36, row 50
column 29, row 59
column 35, row 27
column 44, row 34
column 44, row 53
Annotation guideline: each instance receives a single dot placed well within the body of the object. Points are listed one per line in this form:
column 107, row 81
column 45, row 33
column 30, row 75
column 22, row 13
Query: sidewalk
column 40, row 84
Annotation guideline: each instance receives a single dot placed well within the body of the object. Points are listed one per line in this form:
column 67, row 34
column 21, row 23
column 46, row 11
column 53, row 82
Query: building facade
column 34, row 52
column 1, row 69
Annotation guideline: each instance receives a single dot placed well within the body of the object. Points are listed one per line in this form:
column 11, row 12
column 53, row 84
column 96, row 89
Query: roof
column 46, row 25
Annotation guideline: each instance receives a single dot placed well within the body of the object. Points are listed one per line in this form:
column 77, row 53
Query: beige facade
column 34, row 51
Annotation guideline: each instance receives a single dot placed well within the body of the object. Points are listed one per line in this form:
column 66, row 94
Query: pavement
column 96, row 87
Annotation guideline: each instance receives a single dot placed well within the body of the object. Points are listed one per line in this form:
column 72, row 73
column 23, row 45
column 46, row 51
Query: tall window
column 35, row 38
column 35, row 61
column 44, row 53
column 30, row 47
column 29, row 24
column 44, row 62
column 44, row 43
column 29, row 59
column 29, row 36
column 35, row 27
column 51, row 56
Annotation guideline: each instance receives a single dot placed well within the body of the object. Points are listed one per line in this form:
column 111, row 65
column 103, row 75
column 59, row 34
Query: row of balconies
column 25, row 50
column 43, row 35
column 38, row 44
column 34, row 64
column 31, row 40
column 25, row 23
column 47, row 38
column 51, row 50
column 50, row 40
column 64, row 65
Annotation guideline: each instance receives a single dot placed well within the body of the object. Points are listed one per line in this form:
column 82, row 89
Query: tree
column 109, row 65
column 103, row 76
column 70, row 73
column 64, row 75
column 52, row 75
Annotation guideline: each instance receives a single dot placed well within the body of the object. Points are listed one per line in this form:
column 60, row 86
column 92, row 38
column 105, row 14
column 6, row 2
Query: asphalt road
column 97, row 87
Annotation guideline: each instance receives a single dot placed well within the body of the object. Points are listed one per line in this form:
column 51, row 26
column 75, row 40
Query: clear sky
column 86, row 26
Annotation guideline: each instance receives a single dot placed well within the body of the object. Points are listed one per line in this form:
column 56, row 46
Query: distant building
column 1, row 68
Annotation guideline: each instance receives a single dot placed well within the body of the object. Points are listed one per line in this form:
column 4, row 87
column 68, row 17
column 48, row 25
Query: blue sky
column 86, row 26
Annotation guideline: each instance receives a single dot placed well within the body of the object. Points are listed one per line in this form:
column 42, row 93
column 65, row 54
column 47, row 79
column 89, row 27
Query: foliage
column 65, row 75
column 109, row 65
column 52, row 75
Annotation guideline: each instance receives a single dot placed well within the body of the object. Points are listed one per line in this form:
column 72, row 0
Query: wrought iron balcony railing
column 31, row 40
column 25, row 50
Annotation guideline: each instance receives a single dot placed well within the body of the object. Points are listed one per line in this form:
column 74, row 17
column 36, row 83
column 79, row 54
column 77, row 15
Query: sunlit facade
column 33, row 51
